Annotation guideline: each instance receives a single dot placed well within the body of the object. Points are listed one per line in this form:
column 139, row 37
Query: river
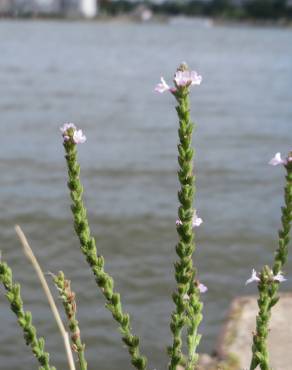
column 101, row 76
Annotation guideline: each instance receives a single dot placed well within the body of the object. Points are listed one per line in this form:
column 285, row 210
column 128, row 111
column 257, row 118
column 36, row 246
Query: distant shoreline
column 157, row 18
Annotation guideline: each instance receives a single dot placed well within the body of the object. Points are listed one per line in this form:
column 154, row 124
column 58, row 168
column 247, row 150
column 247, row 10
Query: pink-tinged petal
column 181, row 78
column 276, row 160
column 66, row 137
column 162, row 86
column 184, row 78
column 253, row 277
column 79, row 137
column 66, row 126
column 195, row 78
column 178, row 222
column 202, row 288
column 279, row 277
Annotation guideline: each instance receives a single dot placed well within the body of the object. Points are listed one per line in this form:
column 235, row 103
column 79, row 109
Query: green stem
column 96, row 263
column 260, row 354
column 269, row 290
column 24, row 318
column 284, row 239
column 188, row 307
column 69, row 303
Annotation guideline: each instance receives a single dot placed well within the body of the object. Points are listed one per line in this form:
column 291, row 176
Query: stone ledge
column 236, row 337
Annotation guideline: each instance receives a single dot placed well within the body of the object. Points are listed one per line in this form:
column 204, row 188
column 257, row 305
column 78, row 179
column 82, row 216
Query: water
column 101, row 76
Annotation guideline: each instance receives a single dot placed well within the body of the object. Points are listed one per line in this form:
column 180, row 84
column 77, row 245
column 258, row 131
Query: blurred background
column 56, row 67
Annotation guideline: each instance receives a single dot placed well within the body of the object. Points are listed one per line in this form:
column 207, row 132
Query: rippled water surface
column 101, row 76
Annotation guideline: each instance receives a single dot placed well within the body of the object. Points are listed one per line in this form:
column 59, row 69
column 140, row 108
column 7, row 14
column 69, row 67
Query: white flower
column 253, row 277
column 277, row 160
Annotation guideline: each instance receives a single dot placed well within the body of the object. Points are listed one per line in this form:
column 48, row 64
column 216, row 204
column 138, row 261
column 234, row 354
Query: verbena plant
column 187, row 313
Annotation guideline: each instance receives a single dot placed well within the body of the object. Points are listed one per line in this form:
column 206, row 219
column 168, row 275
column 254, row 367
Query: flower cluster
column 255, row 277
column 181, row 79
column 70, row 131
column 196, row 221
column 277, row 159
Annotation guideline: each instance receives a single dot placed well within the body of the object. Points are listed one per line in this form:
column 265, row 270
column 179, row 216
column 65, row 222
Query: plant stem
column 31, row 257
column 284, row 239
column 187, row 297
column 260, row 355
column 268, row 290
column 24, row 318
column 96, row 263
column 68, row 298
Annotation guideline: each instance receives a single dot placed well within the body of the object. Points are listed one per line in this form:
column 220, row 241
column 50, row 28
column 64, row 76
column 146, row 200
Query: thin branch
column 29, row 254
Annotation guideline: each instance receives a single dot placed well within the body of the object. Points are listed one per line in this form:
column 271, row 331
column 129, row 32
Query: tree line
column 248, row 9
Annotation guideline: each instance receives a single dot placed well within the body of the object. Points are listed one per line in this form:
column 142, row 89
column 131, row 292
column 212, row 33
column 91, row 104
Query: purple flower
column 66, row 127
column 79, row 137
column 279, row 277
column 277, row 160
column 184, row 78
column 254, row 277
column 162, row 86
